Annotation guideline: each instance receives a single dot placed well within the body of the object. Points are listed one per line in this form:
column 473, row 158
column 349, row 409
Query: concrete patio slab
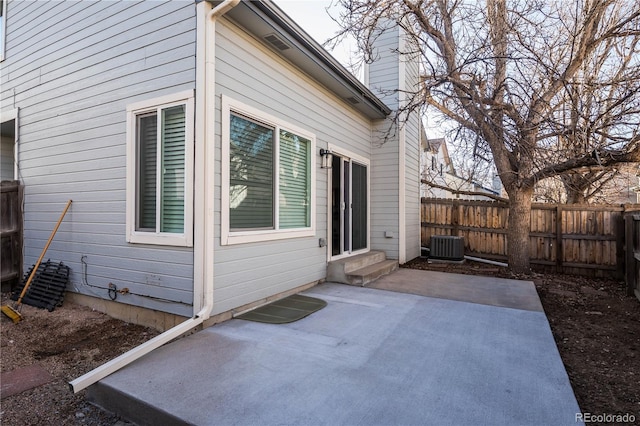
column 370, row 357
column 514, row 294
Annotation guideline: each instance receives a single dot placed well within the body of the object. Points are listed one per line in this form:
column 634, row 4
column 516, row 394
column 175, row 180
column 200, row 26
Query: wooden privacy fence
column 572, row 239
column 632, row 262
column 11, row 233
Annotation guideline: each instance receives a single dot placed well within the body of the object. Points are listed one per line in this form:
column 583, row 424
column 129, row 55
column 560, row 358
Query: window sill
column 260, row 236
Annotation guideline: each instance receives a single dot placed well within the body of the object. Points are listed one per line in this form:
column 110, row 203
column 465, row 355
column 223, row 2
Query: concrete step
column 360, row 269
column 370, row 273
column 337, row 270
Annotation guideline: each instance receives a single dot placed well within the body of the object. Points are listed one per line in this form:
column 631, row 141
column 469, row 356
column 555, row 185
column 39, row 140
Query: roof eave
column 315, row 60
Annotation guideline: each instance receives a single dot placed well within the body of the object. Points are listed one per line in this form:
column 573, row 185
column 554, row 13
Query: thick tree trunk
column 518, row 231
column 575, row 197
column 575, row 184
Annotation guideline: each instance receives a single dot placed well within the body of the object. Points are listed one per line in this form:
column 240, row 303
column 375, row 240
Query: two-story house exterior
column 216, row 155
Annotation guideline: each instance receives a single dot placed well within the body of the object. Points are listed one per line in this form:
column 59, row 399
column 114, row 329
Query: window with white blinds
column 147, row 171
column 251, row 184
column 172, row 162
column 159, row 173
column 267, row 165
column 294, row 185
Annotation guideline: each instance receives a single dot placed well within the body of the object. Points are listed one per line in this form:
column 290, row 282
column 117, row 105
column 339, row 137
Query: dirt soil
column 67, row 343
column 597, row 331
column 596, row 327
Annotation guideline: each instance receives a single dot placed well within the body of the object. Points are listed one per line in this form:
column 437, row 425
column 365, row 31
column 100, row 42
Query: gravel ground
column 67, row 343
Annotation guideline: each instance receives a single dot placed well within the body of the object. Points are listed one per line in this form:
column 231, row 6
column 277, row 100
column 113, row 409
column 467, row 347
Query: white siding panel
column 72, row 68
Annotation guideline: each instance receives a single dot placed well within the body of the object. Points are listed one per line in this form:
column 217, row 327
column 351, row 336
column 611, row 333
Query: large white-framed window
column 160, row 144
column 3, row 27
column 268, row 176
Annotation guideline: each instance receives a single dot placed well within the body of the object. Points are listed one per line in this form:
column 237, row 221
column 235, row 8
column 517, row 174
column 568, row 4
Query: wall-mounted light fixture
column 327, row 158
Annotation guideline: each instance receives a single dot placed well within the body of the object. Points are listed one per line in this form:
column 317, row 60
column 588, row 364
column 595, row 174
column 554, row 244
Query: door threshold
column 346, row 255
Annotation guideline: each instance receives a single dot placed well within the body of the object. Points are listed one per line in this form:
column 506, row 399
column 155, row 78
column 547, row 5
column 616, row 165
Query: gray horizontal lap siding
column 72, row 68
column 250, row 73
column 412, row 168
column 284, row 94
column 384, row 199
column 383, row 81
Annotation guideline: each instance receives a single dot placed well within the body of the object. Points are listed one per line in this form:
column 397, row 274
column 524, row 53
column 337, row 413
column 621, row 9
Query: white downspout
column 16, row 146
column 203, row 247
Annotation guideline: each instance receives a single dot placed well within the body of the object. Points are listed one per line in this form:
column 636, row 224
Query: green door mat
column 286, row 310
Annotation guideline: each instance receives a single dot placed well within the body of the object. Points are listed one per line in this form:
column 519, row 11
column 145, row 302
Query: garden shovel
column 14, row 312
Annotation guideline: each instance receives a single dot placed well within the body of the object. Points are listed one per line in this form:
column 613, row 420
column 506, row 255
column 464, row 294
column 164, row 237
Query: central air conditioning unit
column 446, row 247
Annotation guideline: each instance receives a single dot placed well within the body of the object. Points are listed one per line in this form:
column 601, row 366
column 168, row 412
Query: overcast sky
column 312, row 16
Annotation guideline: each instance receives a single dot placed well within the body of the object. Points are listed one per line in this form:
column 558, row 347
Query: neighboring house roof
column 438, row 145
column 267, row 22
column 423, row 139
column 435, row 144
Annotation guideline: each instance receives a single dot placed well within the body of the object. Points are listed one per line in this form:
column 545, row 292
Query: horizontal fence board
column 568, row 238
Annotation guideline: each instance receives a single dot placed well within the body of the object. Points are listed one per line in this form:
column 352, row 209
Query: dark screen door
column 349, row 206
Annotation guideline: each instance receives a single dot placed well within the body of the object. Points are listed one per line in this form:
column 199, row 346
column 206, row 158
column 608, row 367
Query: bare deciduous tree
column 509, row 75
column 611, row 185
column 583, row 186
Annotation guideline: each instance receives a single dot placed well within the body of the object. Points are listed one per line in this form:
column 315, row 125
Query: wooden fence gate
column 11, row 234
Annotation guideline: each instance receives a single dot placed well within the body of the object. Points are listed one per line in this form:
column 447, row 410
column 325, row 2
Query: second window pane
column 294, row 181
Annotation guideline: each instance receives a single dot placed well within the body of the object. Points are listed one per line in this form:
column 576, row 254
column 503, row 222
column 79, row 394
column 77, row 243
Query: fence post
column 11, row 233
column 559, row 253
column 455, row 217
column 629, row 247
column 620, row 254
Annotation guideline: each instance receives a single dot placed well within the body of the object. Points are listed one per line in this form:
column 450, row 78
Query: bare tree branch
column 464, row 192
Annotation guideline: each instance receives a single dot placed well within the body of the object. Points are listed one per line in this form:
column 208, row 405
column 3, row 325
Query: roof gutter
column 203, row 250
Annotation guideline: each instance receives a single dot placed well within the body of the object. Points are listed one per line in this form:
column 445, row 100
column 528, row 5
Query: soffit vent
column 353, row 100
column 277, row 42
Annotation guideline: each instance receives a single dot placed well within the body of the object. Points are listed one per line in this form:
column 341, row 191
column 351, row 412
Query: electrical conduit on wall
column 203, row 249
